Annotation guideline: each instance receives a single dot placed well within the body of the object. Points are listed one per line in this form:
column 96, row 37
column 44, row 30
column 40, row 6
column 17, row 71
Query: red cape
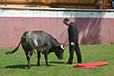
column 91, row 65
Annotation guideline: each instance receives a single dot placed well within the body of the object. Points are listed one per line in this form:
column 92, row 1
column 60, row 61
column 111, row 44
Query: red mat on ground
column 91, row 65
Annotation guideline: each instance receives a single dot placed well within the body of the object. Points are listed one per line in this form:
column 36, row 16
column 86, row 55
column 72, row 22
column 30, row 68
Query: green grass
column 16, row 64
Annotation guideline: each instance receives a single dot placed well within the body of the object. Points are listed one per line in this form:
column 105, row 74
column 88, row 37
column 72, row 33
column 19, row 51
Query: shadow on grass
column 24, row 66
column 57, row 62
column 61, row 62
column 17, row 66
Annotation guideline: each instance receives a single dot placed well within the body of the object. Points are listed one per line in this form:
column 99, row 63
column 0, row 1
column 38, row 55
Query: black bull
column 42, row 42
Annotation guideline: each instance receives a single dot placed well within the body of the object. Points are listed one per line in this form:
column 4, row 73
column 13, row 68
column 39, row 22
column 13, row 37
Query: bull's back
column 47, row 41
column 34, row 39
column 45, row 36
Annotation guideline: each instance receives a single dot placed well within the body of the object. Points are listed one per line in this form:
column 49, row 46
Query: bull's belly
column 29, row 47
column 38, row 48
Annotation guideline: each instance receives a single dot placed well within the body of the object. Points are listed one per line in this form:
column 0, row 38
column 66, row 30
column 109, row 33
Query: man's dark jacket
column 72, row 32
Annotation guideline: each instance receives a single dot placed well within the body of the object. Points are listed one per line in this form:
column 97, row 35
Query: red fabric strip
column 91, row 65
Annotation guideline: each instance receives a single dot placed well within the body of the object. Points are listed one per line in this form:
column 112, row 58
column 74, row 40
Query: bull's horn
column 62, row 47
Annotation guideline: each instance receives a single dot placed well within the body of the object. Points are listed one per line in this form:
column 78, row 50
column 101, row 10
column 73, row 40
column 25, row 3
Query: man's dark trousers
column 77, row 50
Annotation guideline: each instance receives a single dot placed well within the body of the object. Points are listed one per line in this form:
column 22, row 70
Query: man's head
column 66, row 21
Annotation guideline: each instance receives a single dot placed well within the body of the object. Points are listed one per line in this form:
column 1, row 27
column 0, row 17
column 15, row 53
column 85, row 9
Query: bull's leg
column 46, row 59
column 38, row 55
column 28, row 55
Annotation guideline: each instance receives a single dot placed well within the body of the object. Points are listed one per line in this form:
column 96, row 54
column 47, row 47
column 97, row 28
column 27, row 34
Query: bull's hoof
column 38, row 64
column 29, row 67
column 47, row 65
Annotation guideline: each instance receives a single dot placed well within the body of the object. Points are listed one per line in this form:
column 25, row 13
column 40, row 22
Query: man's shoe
column 80, row 61
column 68, row 63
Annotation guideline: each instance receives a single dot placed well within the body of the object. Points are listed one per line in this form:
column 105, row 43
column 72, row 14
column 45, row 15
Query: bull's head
column 59, row 51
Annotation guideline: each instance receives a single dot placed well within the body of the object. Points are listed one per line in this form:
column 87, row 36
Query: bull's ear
column 62, row 46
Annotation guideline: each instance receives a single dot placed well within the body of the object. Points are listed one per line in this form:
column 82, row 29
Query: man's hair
column 66, row 19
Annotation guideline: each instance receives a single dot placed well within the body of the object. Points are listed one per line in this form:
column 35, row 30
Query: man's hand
column 72, row 43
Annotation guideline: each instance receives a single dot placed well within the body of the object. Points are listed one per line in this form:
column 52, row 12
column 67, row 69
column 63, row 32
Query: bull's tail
column 10, row 52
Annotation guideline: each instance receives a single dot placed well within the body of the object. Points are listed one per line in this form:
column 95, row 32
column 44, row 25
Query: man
column 73, row 41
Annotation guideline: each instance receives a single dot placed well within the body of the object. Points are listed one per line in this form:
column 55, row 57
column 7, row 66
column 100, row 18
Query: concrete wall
column 94, row 27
